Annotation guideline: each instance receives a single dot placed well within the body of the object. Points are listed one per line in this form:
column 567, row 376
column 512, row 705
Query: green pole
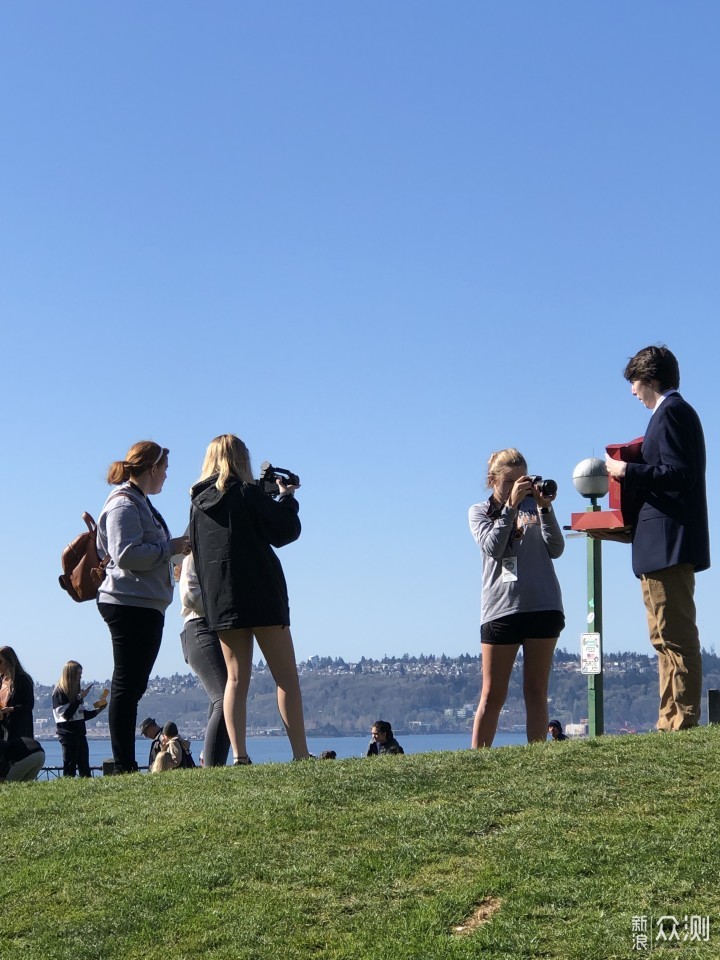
column 596, row 716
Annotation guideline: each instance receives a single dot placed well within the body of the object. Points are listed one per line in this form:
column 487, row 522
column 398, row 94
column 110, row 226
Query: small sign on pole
column 590, row 653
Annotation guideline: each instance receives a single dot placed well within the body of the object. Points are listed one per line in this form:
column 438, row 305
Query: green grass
column 372, row 859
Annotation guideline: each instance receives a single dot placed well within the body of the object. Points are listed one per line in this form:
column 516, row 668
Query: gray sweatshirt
column 139, row 573
column 518, row 573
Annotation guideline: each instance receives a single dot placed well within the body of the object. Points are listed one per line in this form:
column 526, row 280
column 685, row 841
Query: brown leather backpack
column 83, row 570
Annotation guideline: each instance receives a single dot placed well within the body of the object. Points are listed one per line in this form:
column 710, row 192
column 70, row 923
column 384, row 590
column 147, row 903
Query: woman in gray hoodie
column 519, row 537
column 138, row 585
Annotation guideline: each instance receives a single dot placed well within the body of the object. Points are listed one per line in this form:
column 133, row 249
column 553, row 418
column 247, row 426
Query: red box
column 617, row 523
column 618, row 498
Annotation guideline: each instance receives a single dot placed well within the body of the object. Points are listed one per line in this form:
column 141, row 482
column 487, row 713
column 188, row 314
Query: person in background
column 203, row 653
column 70, row 713
column 174, row 751
column 328, row 755
column 671, row 542
column 17, row 697
column 233, row 527
column 556, row 731
column 519, row 536
column 383, row 740
column 21, row 758
column 151, row 729
column 138, row 585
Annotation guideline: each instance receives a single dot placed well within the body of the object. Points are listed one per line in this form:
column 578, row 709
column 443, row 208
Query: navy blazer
column 672, row 524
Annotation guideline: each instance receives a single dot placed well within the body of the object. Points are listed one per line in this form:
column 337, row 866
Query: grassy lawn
column 542, row 851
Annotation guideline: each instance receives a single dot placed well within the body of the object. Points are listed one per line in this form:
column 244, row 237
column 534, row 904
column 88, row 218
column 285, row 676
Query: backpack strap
column 89, row 522
column 93, row 529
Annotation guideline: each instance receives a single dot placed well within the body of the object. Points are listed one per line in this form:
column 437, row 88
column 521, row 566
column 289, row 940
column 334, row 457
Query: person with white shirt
column 203, row 654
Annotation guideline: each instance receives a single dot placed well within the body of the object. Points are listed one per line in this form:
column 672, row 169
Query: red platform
column 598, row 520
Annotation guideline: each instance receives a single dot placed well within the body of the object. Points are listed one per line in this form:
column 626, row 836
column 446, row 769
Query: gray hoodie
column 518, row 548
column 139, row 573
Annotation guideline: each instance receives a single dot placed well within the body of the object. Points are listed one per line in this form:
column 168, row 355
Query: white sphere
column 591, row 477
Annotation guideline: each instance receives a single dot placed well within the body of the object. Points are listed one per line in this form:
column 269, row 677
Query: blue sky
column 378, row 242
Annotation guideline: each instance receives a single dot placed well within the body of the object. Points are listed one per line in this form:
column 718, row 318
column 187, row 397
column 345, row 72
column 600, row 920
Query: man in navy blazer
column 671, row 540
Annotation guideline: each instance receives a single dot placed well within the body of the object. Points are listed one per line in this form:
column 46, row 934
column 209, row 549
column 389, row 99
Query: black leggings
column 75, row 751
column 136, row 634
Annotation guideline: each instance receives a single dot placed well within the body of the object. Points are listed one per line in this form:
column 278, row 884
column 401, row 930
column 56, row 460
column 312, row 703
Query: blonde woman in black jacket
column 70, row 714
column 233, row 529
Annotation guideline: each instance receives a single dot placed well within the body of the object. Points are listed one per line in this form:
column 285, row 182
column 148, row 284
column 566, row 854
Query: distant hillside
column 424, row 694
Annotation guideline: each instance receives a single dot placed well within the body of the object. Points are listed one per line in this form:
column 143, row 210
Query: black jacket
column 19, row 723
column 70, row 715
column 378, row 749
column 672, row 526
column 232, row 535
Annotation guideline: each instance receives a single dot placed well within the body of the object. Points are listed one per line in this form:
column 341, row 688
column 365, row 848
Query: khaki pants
column 670, row 605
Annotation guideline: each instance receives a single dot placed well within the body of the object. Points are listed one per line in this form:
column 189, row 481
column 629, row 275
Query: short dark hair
column 382, row 726
column 654, row 363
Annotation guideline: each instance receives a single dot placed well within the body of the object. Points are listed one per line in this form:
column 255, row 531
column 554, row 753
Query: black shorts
column 518, row 627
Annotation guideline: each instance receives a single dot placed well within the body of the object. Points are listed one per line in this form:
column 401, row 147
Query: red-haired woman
column 138, row 585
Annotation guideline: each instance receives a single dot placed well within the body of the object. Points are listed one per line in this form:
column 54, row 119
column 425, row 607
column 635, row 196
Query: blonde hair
column 69, row 681
column 162, row 762
column 139, row 458
column 504, row 460
column 227, row 456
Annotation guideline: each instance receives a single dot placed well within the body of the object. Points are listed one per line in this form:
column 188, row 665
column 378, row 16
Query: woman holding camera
column 233, row 528
column 519, row 536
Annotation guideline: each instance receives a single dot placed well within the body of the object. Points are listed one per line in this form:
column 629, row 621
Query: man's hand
column 615, row 468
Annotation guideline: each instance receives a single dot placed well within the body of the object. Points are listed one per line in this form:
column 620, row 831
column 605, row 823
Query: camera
column 546, row 488
column 269, row 476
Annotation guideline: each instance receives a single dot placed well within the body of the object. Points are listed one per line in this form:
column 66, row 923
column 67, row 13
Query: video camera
column 269, row 476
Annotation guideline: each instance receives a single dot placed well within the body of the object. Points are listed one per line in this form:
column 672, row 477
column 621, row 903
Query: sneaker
column 242, row 761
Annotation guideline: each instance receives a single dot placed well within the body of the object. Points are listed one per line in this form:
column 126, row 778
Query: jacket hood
column 206, row 496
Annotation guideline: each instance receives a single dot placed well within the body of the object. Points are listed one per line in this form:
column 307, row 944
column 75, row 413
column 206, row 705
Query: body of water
column 277, row 749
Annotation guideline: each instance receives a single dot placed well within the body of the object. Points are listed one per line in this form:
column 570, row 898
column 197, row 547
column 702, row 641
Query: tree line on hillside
column 425, row 694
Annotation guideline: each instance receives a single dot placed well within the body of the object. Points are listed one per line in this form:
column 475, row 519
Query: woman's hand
column 541, row 500
column 179, row 545
column 286, row 491
column 85, row 692
column 521, row 489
